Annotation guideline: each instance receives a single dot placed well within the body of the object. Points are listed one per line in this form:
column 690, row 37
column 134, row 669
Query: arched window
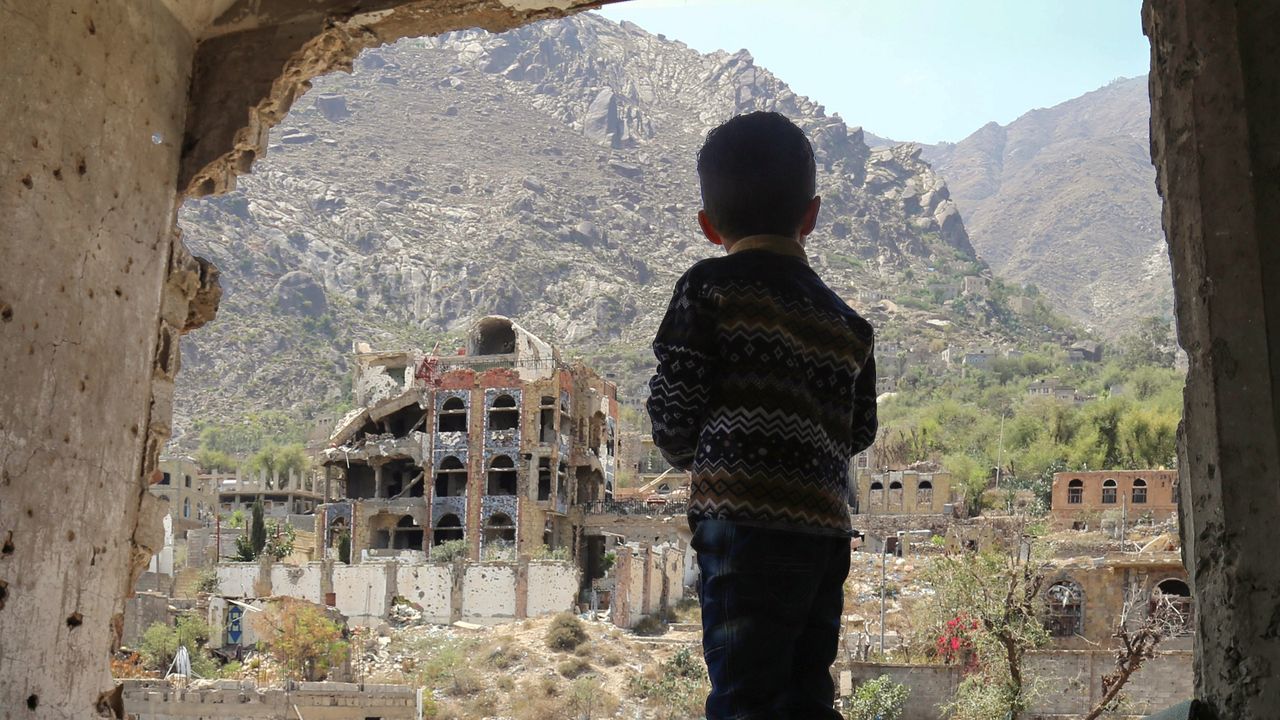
column 544, row 478
column 1139, row 492
column 1075, row 492
column 876, row 494
column 1064, row 609
column 186, row 507
column 448, row 528
column 453, row 416
column 502, row 476
column 504, row 415
column 1171, row 603
column 451, row 478
column 924, row 493
column 408, row 534
column 895, row 493
column 1108, row 492
column 500, row 530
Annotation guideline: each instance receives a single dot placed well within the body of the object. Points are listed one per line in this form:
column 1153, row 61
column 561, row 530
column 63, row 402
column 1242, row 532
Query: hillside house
column 191, row 494
column 1078, row 499
column 1083, row 352
column 1053, row 388
column 902, row 492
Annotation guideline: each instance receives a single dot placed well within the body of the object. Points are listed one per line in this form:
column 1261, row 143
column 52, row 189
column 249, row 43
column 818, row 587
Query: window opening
column 895, row 493
column 502, row 476
column 453, row 416
column 924, row 493
column 408, row 534
column 544, row 479
column 504, row 415
column 1108, row 492
column 1065, row 609
column 1171, row 603
column 547, row 419
column 1139, row 491
column 1075, row 492
column 451, row 478
column 448, row 528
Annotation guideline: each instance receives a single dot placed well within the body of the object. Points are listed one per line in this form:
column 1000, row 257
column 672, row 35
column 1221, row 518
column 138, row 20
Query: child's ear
column 811, row 216
column 708, row 229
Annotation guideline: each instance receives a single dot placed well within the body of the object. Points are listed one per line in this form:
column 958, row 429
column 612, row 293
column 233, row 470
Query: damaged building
column 498, row 447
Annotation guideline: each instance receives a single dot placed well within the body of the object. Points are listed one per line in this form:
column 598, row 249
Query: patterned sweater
column 765, row 388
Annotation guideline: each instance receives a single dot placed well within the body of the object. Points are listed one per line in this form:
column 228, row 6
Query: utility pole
column 883, row 548
column 1000, row 452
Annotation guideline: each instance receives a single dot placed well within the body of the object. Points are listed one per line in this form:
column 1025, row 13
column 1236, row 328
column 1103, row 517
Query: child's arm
column 680, row 389
column 864, row 406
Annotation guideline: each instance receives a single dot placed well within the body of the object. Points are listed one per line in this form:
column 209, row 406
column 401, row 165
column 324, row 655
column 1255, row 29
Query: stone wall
column 1070, row 682
column 490, row 592
column 234, row 699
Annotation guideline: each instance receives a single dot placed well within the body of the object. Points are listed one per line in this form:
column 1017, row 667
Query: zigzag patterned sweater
column 765, row 388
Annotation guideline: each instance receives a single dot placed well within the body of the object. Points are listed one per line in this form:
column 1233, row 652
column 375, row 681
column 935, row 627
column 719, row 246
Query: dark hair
column 757, row 174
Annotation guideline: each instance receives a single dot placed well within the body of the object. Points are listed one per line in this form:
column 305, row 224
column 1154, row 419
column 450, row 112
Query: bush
column 677, row 689
column 566, row 633
column 878, row 699
column 449, row 551
column 302, row 638
column 574, row 667
column 207, row 582
column 649, row 626
column 587, row 698
column 161, row 641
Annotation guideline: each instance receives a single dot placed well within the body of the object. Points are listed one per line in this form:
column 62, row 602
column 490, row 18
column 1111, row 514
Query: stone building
column 191, row 494
column 499, row 446
column 902, row 492
column 1086, row 598
column 1079, row 499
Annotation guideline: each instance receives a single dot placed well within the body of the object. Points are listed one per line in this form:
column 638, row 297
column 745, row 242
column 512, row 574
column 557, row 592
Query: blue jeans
column 771, row 607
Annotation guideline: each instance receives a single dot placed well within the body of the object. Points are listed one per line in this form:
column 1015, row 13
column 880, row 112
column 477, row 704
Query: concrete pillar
column 377, row 480
column 95, row 100
column 1215, row 90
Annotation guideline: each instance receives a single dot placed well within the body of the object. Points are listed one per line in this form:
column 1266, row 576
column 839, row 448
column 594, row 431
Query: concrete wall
column 161, row 700
column 1069, row 683
column 488, row 592
column 300, row 581
column 362, row 592
column 140, row 612
column 428, row 586
column 237, row 579
column 553, row 588
column 647, row 581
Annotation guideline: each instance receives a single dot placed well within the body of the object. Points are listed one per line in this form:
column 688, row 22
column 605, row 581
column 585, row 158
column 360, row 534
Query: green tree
column 1151, row 344
column 280, row 539
column 1001, row 591
column 215, row 460
column 344, row 547
column 305, row 641
column 878, row 699
column 257, row 531
column 279, row 459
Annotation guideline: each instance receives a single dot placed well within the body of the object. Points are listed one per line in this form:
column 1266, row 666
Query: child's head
column 758, row 178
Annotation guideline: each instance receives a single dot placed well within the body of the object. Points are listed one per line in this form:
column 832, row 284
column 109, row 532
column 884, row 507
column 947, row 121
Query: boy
column 765, row 389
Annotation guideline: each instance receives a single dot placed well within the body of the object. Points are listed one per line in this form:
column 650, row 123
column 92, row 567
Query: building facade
column 500, row 447
column 190, row 492
column 1079, row 499
column 902, row 492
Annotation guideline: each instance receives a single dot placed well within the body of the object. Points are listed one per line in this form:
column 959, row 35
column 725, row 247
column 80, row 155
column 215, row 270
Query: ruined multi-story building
column 191, row 494
column 499, row 446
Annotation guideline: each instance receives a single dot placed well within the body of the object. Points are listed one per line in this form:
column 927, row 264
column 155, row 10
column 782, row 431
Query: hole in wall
column 33, row 701
column 75, row 620
column 7, row 548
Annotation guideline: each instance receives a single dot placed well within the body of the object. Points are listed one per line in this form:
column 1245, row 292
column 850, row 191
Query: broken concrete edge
column 217, row 149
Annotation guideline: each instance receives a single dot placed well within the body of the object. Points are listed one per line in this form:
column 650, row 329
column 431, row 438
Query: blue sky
column 923, row 70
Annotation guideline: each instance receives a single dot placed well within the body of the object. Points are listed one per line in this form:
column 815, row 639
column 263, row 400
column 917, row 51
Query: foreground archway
column 120, row 107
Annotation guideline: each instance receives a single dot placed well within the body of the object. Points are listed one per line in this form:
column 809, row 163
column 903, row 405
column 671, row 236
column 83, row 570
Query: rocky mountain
column 1065, row 198
column 546, row 174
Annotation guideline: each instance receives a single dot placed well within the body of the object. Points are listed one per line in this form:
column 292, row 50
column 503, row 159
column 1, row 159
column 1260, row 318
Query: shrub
column 587, row 699
column 611, row 658
column 207, row 582
column 878, row 699
column 566, row 633
column 344, row 547
column 449, row 551
column 677, row 689
column 649, row 626
column 161, row 641
column 574, row 667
